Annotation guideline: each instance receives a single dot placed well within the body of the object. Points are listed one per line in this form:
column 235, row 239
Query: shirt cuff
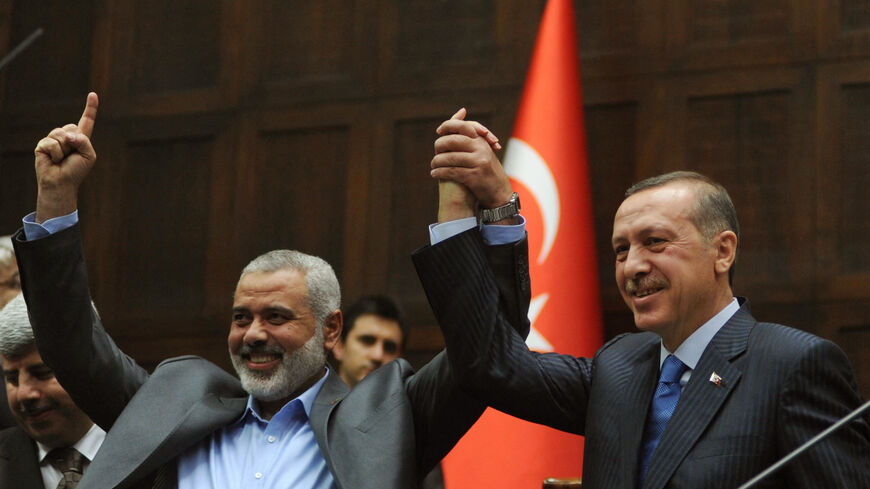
column 493, row 234
column 34, row 230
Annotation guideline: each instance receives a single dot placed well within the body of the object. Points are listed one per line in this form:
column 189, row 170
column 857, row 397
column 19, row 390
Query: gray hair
column 324, row 293
column 16, row 334
column 713, row 213
column 7, row 252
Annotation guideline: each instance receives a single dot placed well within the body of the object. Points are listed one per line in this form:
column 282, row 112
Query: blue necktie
column 663, row 405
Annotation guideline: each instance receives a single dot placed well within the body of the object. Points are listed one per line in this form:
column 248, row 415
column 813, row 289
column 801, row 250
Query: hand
column 464, row 155
column 454, row 200
column 63, row 160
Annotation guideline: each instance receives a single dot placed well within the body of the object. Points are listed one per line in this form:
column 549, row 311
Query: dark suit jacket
column 780, row 386
column 387, row 433
column 19, row 468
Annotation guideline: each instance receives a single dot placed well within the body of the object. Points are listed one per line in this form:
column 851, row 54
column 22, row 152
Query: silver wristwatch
column 511, row 209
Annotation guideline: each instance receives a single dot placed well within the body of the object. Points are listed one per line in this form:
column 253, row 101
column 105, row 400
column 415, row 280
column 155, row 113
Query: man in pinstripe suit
column 751, row 392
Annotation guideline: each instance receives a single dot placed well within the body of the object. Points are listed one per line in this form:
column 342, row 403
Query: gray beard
column 294, row 370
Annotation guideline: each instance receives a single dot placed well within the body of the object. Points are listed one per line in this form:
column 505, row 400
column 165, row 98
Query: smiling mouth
column 262, row 361
column 643, row 293
column 36, row 414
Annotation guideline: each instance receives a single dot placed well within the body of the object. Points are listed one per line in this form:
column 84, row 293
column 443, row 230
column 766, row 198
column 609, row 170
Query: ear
column 338, row 350
column 332, row 330
column 725, row 244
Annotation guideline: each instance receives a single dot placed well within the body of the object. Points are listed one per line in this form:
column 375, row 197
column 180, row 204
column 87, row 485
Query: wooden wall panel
column 176, row 47
column 308, row 50
column 844, row 95
column 612, row 134
column 747, row 133
column 620, row 36
column 56, row 69
column 17, row 188
column 844, row 27
column 714, row 33
column 164, row 202
column 412, row 209
column 293, row 194
column 169, row 57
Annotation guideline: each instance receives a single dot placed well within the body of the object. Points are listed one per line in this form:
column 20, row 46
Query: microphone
column 21, row 47
column 806, row 446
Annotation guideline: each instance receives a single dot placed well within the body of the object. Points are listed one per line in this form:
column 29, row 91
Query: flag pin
column 716, row 379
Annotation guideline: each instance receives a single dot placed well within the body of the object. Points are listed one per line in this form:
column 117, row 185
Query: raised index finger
column 89, row 116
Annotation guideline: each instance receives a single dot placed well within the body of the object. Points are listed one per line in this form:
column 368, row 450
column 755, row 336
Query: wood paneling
column 56, row 68
column 227, row 129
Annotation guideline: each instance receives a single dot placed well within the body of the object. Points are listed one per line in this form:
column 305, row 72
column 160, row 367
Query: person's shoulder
column 785, row 338
column 13, row 435
column 792, row 348
column 629, row 341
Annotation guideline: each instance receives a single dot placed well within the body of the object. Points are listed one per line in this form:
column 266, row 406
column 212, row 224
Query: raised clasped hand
column 464, row 154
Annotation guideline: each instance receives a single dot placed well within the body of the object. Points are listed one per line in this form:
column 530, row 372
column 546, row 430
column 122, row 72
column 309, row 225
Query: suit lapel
column 18, row 464
column 638, row 383
column 701, row 398
column 330, row 395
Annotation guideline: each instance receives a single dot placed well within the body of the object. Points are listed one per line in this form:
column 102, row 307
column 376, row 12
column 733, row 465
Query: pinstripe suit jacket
column 780, row 386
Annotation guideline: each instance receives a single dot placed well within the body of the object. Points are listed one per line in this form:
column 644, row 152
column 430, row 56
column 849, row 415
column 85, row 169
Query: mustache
column 632, row 285
column 247, row 350
column 34, row 408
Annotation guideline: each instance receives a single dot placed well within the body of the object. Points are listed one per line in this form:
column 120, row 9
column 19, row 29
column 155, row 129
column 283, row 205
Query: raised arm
column 480, row 296
column 98, row 376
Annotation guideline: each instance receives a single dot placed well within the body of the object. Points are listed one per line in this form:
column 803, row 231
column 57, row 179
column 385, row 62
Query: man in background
column 54, row 441
column 10, row 286
column 373, row 335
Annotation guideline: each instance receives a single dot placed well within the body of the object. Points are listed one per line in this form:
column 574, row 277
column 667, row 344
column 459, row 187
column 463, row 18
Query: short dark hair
column 713, row 213
column 378, row 305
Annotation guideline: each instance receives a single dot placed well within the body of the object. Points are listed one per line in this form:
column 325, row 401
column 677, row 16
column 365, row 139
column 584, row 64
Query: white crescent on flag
column 525, row 165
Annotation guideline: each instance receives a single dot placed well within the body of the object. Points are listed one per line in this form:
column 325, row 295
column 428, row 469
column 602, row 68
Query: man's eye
column 621, row 252
column 45, row 374
column 367, row 340
column 240, row 318
column 11, row 379
column 390, row 347
column 654, row 242
column 278, row 319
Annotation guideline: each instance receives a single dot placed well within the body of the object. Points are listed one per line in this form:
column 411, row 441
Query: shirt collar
column 87, row 445
column 306, row 398
column 690, row 351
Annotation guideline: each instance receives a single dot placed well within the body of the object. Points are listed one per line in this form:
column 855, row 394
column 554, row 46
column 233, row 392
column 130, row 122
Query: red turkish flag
column 546, row 160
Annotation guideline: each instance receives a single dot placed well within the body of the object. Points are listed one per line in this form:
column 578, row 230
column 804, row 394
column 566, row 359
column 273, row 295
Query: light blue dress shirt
column 255, row 453
column 493, row 234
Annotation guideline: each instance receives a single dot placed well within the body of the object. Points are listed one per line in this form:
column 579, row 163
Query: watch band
column 511, row 209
